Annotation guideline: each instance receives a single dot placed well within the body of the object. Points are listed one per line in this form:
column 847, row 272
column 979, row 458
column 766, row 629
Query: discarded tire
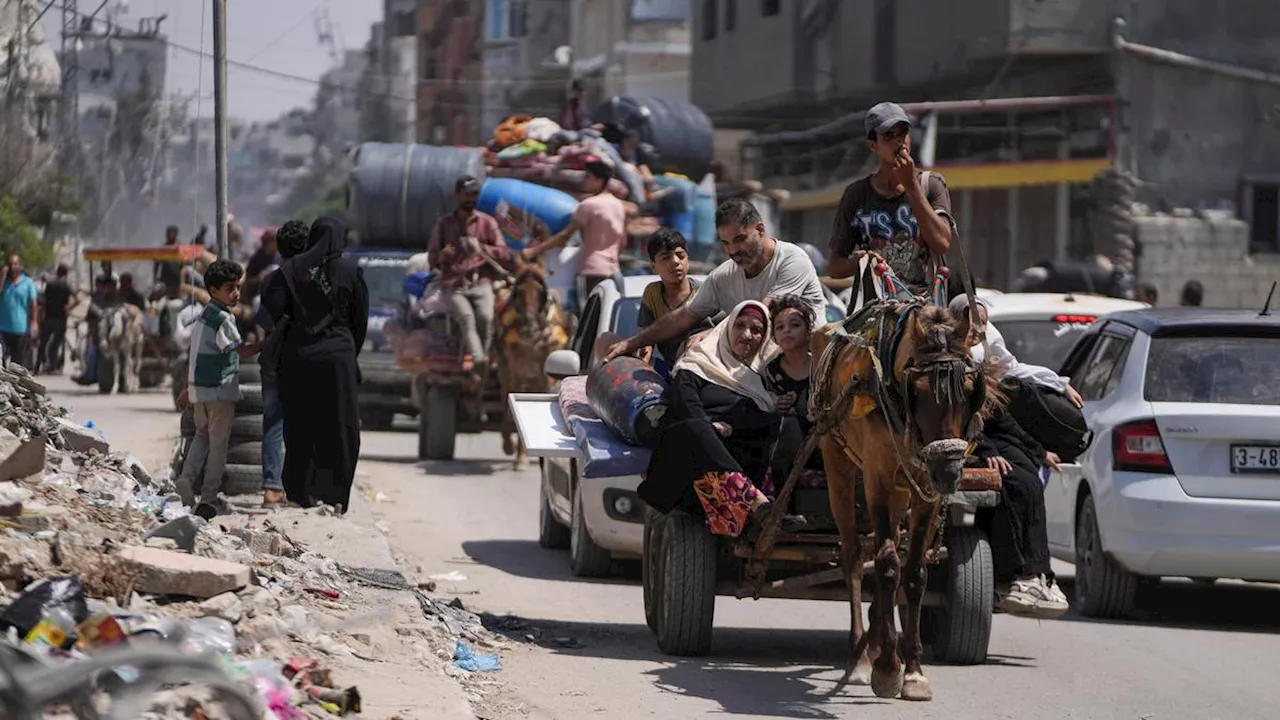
column 242, row 480
column 250, row 374
column 243, row 427
column 251, row 402
column 248, row 452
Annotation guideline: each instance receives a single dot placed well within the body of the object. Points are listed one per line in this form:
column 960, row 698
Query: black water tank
column 396, row 193
column 681, row 133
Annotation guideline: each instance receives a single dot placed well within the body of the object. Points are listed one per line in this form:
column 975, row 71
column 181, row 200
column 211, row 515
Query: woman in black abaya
column 324, row 303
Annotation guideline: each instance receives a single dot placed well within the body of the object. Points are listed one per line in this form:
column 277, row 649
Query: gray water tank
column 681, row 133
column 396, row 193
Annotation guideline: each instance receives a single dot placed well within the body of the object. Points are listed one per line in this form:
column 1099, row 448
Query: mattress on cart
column 604, row 452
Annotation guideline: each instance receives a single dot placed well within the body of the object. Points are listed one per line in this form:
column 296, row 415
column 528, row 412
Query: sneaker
column 1055, row 591
column 1033, row 597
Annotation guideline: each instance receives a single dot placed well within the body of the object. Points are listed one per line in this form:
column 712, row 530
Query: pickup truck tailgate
column 542, row 427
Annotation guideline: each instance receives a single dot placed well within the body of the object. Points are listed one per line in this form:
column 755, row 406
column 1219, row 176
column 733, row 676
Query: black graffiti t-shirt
column 866, row 220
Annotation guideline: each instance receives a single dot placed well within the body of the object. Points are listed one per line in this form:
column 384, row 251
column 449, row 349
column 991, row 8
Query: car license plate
column 1255, row 458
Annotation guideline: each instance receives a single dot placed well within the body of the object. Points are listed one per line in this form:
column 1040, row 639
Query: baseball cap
column 466, row 183
column 884, row 116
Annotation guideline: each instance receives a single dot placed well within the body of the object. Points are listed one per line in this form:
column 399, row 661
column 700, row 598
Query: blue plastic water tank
column 551, row 206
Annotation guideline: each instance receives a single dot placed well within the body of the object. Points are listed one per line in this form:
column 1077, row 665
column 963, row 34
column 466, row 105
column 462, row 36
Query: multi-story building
column 521, row 72
column 388, row 103
column 450, row 71
column 32, row 76
column 1046, row 100
column 632, row 47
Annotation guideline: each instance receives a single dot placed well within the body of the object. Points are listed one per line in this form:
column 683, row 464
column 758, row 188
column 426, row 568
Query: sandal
column 755, row 524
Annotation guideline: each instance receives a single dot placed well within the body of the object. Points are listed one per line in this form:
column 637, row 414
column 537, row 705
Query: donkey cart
column 685, row 567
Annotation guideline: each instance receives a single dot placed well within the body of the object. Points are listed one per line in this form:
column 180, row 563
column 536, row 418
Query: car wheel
column 586, row 558
column 1103, row 588
column 551, row 534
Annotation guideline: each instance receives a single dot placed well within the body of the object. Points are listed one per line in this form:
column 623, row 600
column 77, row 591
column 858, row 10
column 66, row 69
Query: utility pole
column 220, row 118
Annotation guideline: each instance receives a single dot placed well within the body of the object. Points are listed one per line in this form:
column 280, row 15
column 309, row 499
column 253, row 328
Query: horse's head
column 529, row 291
column 944, row 390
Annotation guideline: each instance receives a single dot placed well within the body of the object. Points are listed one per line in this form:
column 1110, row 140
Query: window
column 507, row 19
column 405, row 23
column 886, row 29
column 626, row 314
column 1262, row 212
column 1236, row 370
column 1102, row 372
column 669, row 10
column 769, row 7
column 730, row 14
column 709, row 19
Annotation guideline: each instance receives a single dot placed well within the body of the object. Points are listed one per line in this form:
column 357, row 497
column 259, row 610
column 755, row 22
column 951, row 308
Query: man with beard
column 891, row 213
column 461, row 249
column 759, row 267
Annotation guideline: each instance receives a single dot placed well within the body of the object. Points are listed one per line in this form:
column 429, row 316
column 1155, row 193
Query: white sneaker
column 1033, row 597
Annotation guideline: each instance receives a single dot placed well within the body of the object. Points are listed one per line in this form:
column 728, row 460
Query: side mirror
column 562, row 364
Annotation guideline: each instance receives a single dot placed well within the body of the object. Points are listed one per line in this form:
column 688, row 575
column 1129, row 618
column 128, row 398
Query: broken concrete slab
column 182, row 532
column 261, row 542
column 20, row 458
column 227, row 606
column 80, row 438
column 165, row 572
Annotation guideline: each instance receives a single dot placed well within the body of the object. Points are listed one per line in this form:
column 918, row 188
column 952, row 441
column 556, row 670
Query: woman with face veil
column 718, row 432
column 324, row 303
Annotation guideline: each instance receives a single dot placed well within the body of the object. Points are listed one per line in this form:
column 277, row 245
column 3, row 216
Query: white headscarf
column 709, row 357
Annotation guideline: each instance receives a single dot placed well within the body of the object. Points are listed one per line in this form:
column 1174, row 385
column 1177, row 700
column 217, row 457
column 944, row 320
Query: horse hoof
column 508, row 445
column 885, row 685
column 916, row 688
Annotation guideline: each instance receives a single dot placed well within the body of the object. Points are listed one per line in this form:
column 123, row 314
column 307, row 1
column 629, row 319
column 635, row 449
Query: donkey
column 530, row 327
column 916, row 401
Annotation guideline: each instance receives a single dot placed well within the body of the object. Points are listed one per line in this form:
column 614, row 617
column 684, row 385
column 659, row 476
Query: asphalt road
column 1192, row 652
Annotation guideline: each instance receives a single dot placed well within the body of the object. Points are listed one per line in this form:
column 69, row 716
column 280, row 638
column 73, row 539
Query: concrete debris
column 79, row 438
column 181, row 532
column 165, row 572
column 227, row 606
column 20, row 458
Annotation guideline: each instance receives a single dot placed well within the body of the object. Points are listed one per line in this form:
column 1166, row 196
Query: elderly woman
column 720, row 427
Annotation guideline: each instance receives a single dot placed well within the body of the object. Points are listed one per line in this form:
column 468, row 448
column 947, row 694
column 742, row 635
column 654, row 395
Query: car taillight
column 1137, row 447
column 1085, row 319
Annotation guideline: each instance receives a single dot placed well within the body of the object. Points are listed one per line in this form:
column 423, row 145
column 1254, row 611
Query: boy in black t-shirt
column 891, row 212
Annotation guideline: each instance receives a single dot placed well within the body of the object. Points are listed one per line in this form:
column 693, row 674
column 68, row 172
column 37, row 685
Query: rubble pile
column 96, row 552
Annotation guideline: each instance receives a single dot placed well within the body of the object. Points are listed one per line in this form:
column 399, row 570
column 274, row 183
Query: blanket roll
column 620, row 390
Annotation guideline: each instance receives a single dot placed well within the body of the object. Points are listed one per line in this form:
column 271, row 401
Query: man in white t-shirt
column 759, row 267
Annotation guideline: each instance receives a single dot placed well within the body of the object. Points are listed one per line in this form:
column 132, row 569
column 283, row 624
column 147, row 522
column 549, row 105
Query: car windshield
column 1040, row 342
column 1239, row 370
column 626, row 312
column 385, row 281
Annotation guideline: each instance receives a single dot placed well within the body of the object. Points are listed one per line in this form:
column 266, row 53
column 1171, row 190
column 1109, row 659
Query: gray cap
column 884, row 117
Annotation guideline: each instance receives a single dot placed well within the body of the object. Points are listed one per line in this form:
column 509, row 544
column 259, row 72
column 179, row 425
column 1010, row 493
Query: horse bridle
column 947, row 371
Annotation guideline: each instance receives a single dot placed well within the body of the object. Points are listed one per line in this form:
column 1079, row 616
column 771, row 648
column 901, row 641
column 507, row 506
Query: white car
column 597, row 519
column 1183, row 475
column 1040, row 328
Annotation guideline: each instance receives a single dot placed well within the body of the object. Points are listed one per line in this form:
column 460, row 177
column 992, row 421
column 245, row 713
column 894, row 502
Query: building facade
column 450, row 71
column 632, row 47
column 521, row 72
column 1045, row 101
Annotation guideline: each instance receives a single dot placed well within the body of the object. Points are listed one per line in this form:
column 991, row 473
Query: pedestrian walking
column 59, row 300
column 213, row 388
column 326, row 302
column 18, row 313
column 290, row 240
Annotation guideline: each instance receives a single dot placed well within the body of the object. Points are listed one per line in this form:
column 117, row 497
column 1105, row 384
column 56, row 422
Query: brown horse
column 914, row 401
column 530, row 327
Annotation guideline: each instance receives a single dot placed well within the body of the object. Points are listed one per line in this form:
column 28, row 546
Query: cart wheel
column 959, row 632
column 438, row 424
column 651, row 567
column 687, row 589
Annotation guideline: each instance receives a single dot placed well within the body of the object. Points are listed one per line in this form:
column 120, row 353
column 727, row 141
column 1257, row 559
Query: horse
column 530, row 327
column 910, row 362
column 121, row 339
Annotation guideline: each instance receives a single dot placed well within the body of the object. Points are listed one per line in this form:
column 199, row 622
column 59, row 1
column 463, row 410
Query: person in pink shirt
column 602, row 220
